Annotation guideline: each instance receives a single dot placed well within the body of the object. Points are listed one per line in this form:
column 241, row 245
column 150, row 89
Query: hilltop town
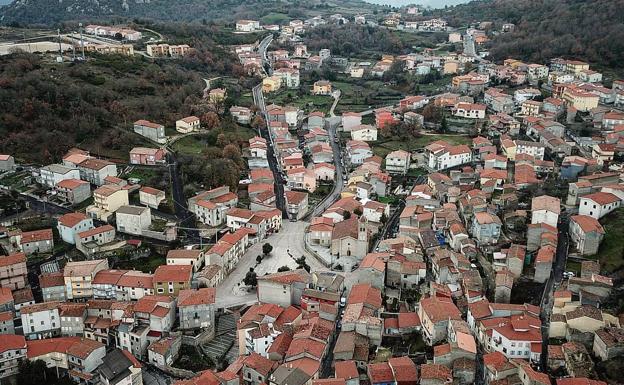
column 395, row 209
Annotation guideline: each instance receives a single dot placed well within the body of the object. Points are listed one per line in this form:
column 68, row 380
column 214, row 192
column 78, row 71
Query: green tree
column 251, row 278
column 283, row 268
column 267, row 248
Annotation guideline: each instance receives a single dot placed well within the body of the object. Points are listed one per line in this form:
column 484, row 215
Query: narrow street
column 554, row 281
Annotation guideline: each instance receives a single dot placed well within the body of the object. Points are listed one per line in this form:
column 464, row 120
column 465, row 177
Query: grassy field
column 143, row 173
column 382, row 148
column 305, row 101
column 275, row 18
column 611, row 252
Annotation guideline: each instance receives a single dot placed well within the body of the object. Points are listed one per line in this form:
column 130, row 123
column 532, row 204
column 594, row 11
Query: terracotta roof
column 262, row 365
column 110, row 277
column 12, row 259
column 287, row 277
column 380, row 373
column 496, row 361
column 184, row 254
column 435, row 372
column 602, row 198
column 408, row 320
column 192, row 297
column 365, row 293
column 346, row 370
column 95, row 231
column 82, row 268
column 173, row 273
column 11, row 342
column 588, row 224
column 404, row 369
column 439, row 310
column 36, row 236
column 71, row 184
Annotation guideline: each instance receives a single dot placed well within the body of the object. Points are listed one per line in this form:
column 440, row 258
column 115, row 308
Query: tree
column 232, row 152
column 283, row 268
column 259, row 258
column 302, row 264
column 346, row 215
column 251, row 278
column 210, row 120
column 384, row 218
column 357, row 211
column 267, row 248
column 431, row 113
column 258, row 123
column 443, row 124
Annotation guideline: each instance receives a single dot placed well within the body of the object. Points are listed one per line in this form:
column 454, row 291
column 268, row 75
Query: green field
column 275, row 18
column 305, row 101
column 382, row 148
column 611, row 252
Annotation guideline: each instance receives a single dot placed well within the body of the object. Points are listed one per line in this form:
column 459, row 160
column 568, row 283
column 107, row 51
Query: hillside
column 49, row 107
column 584, row 29
column 46, row 12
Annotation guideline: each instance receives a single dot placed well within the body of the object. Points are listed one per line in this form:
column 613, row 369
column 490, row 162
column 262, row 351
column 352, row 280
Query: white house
column 52, row 174
column 535, row 149
column 71, row 224
column 545, row 209
column 470, row 110
column 188, row 124
column 364, row 133
column 350, row 120
column 441, row 155
column 398, row 162
column 133, row 219
column 41, row 320
column 247, row 25
column 598, row 204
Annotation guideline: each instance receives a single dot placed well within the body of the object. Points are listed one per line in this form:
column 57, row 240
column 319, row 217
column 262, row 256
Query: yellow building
column 271, row 84
column 451, row 67
column 579, row 99
column 322, row 87
column 106, row 200
column 576, row 66
column 170, row 279
column 78, row 277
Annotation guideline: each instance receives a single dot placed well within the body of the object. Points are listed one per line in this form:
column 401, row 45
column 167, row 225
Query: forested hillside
column 47, row 107
column 55, row 11
column 587, row 29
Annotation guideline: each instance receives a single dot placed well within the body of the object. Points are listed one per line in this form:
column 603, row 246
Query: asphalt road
column 185, row 217
column 556, row 276
column 340, row 171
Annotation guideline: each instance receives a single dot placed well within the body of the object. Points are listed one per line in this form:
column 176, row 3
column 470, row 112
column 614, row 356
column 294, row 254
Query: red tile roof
column 11, row 342
column 380, row 373
column 262, row 365
column 194, row 297
column 173, row 273
column 435, row 372
column 365, row 293
column 346, row 370
column 12, row 259
column 37, row 236
column 404, row 369
column 438, row 309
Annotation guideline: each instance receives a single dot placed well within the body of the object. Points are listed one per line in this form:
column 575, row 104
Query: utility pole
column 58, row 31
column 81, row 41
